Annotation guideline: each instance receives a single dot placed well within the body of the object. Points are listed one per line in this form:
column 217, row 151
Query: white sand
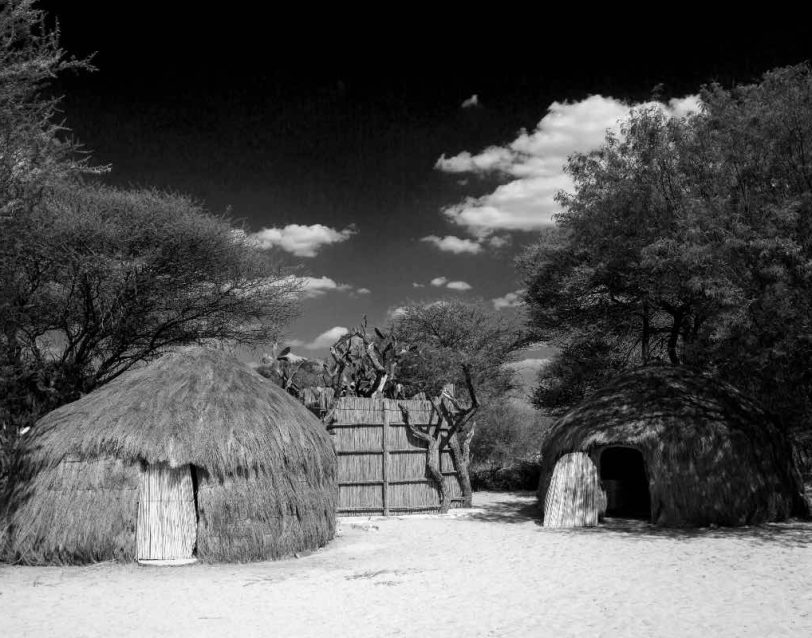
column 488, row 572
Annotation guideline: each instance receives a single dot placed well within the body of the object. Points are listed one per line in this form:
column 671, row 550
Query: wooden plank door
column 167, row 520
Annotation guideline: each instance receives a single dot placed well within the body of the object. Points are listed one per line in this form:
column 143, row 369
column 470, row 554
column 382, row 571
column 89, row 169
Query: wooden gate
column 381, row 464
column 167, row 519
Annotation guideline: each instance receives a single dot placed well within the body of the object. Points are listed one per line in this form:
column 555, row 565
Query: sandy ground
column 491, row 571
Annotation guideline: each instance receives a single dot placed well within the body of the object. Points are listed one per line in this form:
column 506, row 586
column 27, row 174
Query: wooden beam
column 385, row 468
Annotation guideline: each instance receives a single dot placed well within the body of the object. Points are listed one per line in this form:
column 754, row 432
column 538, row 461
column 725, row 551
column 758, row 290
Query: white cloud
column 327, row 338
column 300, row 240
column 534, row 163
column 417, row 285
column 452, row 244
column 399, row 311
column 497, row 241
column 440, row 282
column 471, row 102
column 510, row 300
column 363, row 291
column 317, row 286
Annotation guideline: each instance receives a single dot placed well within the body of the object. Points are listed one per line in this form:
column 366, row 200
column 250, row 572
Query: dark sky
column 310, row 118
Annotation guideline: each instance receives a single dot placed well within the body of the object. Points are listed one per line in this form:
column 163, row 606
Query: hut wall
column 381, row 464
column 78, row 511
column 718, row 479
column 260, row 516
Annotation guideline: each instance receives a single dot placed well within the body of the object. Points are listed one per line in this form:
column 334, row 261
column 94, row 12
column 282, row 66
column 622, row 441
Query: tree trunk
column 433, row 471
column 432, row 452
column 460, row 447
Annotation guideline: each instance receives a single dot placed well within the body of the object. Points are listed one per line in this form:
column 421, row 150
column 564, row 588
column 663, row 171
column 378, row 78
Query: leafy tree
column 35, row 150
column 111, row 278
column 94, row 280
column 687, row 242
column 446, row 340
column 465, row 344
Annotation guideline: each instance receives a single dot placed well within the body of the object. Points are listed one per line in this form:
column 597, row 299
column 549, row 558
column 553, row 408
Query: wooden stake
column 385, row 457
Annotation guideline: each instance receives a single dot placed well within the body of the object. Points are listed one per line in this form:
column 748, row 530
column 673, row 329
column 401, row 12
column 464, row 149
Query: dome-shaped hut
column 673, row 447
column 195, row 455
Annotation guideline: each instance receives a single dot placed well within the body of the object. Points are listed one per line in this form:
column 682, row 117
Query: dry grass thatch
column 713, row 456
column 264, row 465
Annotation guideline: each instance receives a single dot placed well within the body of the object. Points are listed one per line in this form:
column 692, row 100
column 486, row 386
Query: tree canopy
column 95, row 279
column 686, row 241
column 445, row 338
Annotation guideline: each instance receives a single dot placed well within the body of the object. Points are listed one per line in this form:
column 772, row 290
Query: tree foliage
column 93, row 279
column 442, row 339
column 686, row 241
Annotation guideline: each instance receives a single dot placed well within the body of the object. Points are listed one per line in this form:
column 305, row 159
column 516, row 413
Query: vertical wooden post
column 385, row 457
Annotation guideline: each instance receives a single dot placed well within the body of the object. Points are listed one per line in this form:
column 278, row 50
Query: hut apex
column 672, row 447
column 193, row 456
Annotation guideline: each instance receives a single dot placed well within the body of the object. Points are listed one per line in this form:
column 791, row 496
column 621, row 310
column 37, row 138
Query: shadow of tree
column 512, row 511
column 793, row 533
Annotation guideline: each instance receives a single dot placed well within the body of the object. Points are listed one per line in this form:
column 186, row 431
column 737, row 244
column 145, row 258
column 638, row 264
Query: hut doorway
column 624, row 477
column 167, row 516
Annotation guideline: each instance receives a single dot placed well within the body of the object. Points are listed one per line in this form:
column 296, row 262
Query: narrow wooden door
column 167, row 521
column 574, row 497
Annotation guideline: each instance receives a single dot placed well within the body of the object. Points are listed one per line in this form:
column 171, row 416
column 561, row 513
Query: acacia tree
column 451, row 342
column 35, row 150
column 94, row 279
column 688, row 242
column 111, row 278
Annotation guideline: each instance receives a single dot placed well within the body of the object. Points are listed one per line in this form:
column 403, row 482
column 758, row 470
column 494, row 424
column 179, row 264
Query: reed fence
column 381, row 464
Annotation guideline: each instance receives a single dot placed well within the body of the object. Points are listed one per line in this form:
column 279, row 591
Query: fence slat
column 385, row 458
column 397, row 483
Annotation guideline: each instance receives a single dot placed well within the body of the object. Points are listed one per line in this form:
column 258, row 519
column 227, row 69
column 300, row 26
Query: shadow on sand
column 520, row 510
column 793, row 533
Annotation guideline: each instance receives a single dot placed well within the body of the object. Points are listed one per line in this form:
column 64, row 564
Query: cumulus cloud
column 417, row 285
column 510, row 300
column 440, row 282
column 451, row 244
column 300, row 240
column 398, row 311
column 363, row 291
column 317, row 286
column 471, row 102
column 327, row 338
column 533, row 163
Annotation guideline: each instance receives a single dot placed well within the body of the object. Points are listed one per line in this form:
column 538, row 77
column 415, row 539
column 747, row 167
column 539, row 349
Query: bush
column 522, row 475
column 506, row 448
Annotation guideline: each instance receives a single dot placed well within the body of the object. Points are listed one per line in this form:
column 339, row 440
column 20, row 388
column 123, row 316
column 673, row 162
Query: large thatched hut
column 669, row 446
column 194, row 455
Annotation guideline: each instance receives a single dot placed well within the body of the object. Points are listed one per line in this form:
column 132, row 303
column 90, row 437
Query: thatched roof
column 265, row 465
column 712, row 453
column 196, row 406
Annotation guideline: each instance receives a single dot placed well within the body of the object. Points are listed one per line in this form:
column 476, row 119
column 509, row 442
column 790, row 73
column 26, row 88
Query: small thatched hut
column 673, row 447
column 193, row 455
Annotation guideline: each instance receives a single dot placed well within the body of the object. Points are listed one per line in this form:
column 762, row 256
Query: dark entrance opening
column 623, row 475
